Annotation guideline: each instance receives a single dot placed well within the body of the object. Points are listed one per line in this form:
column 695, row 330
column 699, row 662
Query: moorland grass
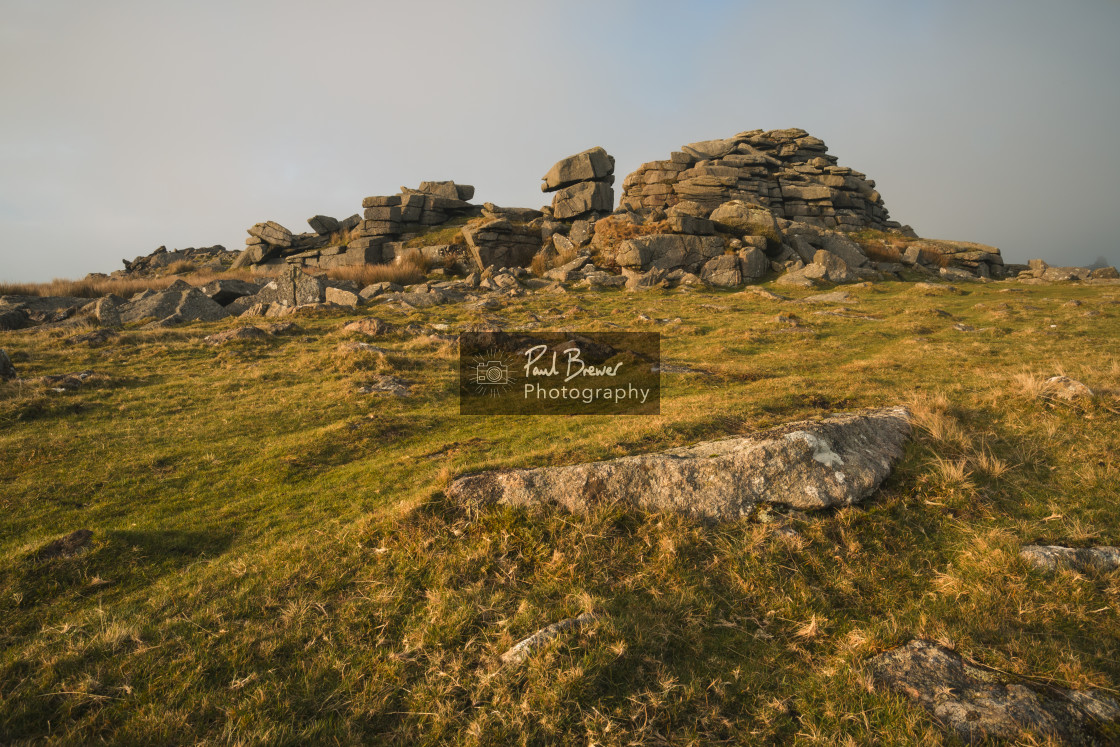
column 274, row 561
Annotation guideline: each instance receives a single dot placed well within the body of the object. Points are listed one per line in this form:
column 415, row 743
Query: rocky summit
column 757, row 206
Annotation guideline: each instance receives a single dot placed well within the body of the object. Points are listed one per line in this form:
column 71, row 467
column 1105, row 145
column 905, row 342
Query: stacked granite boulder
column 391, row 218
column 271, row 244
column 582, row 185
column 373, row 238
column 788, row 171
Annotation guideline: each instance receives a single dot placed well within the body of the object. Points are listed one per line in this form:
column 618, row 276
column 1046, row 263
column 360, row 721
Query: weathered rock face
column 666, row 252
column 975, row 704
column 502, row 243
column 174, row 305
column 836, row 461
column 582, row 184
column 788, row 172
column 294, row 287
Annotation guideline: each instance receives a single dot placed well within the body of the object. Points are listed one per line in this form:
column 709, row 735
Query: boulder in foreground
column 976, row 704
column 808, row 464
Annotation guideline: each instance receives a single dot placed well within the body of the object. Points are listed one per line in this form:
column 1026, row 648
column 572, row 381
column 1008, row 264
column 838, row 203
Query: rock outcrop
column 976, row 704
column 215, row 258
column 373, row 237
column 178, row 303
column 498, row 242
column 582, row 185
column 836, row 461
column 787, row 171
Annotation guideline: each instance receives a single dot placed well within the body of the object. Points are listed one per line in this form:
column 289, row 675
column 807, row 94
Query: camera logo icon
column 491, row 373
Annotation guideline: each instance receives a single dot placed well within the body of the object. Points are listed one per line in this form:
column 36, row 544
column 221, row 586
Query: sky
column 129, row 125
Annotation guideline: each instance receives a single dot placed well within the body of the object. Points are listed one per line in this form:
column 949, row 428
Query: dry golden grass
column 882, row 252
column 612, row 230
column 411, row 267
column 124, row 287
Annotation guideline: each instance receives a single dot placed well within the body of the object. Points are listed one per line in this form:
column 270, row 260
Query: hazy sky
column 127, row 125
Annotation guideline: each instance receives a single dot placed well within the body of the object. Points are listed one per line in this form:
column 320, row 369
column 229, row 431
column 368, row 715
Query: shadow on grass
column 115, row 563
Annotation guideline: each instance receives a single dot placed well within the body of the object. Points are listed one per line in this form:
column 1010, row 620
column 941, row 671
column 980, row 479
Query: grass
column 411, row 267
column 124, row 287
column 274, row 561
column 450, row 232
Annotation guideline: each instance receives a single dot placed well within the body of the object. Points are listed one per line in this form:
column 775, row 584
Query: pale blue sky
column 126, row 125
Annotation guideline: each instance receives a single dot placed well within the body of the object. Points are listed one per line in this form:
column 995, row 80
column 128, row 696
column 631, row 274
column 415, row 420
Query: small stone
column 238, row 333
column 7, row 370
column 1063, row 387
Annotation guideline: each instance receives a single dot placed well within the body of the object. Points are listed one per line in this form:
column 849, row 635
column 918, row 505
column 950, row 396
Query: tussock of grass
column 411, row 267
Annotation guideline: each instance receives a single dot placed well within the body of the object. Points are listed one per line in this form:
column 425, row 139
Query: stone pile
column 582, row 185
column 371, row 238
column 390, row 218
column 1040, row 270
column 788, row 171
column 215, row 258
column 271, row 244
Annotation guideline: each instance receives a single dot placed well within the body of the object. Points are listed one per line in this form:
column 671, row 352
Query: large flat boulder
column 810, row 464
column 271, row 232
column 173, row 305
column 582, row 198
column 591, row 164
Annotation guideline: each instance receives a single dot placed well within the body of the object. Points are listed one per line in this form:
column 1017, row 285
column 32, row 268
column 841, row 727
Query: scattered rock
column 341, row 297
column 387, row 385
column 1063, row 387
column 1052, row 557
column 283, row 328
column 521, row 651
column 238, row 333
column 837, row 461
column 833, row 297
column 94, row 338
column 72, row 544
column 371, row 327
column 975, row 703
column 7, row 370
column 11, row 319
column 65, row 382
column 648, row 280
